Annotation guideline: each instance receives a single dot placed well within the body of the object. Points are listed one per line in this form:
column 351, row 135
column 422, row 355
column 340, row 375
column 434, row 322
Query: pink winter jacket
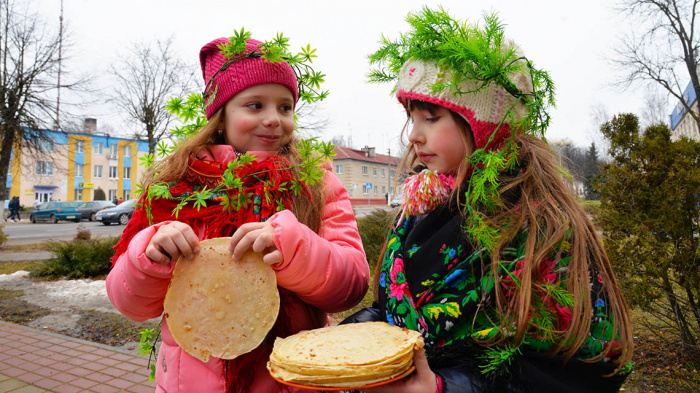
column 327, row 273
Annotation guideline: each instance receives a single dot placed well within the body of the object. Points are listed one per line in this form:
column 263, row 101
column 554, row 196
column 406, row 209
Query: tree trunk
column 687, row 338
column 8, row 141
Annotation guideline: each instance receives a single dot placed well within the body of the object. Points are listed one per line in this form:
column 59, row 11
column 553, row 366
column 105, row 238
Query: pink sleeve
column 329, row 270
column 136, row 285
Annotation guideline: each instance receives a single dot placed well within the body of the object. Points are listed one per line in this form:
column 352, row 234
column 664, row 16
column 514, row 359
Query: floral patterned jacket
column 432, row 281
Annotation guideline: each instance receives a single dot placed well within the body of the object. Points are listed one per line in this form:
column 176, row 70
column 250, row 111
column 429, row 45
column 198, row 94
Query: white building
column 682, row 124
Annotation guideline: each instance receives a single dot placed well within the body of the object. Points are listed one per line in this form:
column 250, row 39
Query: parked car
column 397, row 201
column 88, row 210
column 119, row 214
column 56, row 211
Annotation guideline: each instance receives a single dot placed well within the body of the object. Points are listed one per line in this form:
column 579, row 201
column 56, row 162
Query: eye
column 286, row 108
column 254, row 105
column 432, row 119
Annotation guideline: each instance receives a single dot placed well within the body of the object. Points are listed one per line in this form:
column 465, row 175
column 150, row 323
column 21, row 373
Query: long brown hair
column 548, row 207
column 175, row 166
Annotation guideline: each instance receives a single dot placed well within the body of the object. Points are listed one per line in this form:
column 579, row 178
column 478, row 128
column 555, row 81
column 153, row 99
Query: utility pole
column 60, row 47
column 388, row 181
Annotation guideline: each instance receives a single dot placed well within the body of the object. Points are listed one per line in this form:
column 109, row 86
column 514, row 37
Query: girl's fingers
column 257, row 237
column 240, row 233
column 273, row 257
column 185, row 241
column 171, row 241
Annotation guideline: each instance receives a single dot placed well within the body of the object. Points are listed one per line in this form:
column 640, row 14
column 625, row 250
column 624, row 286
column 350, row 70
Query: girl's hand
column 421, row 381
column 258, row 237
column 171, row 241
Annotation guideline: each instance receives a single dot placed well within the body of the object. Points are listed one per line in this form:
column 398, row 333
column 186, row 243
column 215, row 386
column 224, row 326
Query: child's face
column 438, row 140
column 259, row 118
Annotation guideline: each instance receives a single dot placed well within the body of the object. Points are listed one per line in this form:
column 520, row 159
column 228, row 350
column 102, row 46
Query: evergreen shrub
column 78, row 259
column 373, row 231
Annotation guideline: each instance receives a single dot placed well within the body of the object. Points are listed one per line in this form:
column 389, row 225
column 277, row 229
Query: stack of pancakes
column 351, row 355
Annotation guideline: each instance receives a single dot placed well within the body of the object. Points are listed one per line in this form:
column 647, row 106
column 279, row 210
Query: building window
column 79, row 147
column 112, row 195
column 78, row 196
column 44, row 168
column 338, row 169
column 98, row 148
column 127, row 172
column 127, row 151
column 383, row 189
column 127, row 195
column 97, row 173
column 78, row 170
column 112, row 172
column 44, row 145
column 113, row 151
column 391, row 173
column 365, row 170
column 365, row 190
column 375, row 171
column 383, row 173
column 376, row 190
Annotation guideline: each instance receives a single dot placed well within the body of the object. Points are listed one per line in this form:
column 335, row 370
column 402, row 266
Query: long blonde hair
column 175, row 166
column 556, row 212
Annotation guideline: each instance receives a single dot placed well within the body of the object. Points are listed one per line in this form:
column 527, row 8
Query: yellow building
column 72, row 166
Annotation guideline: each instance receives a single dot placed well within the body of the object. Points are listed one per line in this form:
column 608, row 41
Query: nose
column 416, row 135
column 271, row 118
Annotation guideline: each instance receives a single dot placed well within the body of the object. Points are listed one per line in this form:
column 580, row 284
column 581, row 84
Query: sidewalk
column 32, row 361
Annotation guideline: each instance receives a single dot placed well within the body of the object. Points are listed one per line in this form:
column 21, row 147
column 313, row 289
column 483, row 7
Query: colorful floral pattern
column 431, row 282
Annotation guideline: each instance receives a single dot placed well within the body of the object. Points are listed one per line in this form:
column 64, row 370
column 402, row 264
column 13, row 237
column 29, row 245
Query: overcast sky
column 570, row 39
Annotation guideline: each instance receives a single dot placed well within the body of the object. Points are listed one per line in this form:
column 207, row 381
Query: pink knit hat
column 241, row 74
column 483, row 108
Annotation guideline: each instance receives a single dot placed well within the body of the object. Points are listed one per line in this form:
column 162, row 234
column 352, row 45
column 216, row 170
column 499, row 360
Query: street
column 24, row 232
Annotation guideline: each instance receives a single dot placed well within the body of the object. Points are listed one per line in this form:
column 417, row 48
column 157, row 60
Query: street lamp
column 561, row 143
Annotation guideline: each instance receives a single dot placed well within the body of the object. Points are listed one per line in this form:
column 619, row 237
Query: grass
column 14, row 309
column 110, row 328
column 26, row 248
column 11, row 267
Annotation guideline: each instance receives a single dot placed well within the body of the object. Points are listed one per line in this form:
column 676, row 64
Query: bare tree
column 29, row 62
column 310, row 122
column 146, row 79
column 666, row 53
column 342, row 140
column 655, row 110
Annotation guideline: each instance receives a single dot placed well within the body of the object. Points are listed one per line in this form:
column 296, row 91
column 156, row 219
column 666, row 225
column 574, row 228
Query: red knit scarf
column 266, row 185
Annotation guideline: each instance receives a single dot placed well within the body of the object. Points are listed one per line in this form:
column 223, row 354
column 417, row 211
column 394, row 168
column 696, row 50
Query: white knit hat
column 483, row 109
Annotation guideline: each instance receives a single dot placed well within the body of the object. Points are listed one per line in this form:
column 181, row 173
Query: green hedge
column 78, row 259
column 373, row 231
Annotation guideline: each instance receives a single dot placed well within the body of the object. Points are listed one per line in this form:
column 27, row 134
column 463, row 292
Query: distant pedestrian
column 119, row 202
column 14, row 209
column 115, row 201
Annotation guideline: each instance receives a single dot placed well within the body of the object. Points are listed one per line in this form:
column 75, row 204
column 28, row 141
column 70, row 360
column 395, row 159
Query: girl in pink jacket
column 309, row 238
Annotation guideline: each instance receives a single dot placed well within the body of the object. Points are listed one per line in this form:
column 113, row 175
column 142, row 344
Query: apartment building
column 72, row 166
column 682, row 124
column 367, row 176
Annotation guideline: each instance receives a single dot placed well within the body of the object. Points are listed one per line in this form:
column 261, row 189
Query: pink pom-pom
column 425, row 191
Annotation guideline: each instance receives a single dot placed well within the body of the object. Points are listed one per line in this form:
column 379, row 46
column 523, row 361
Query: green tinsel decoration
column 473, row 53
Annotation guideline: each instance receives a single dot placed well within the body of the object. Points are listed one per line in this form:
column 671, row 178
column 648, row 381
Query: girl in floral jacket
column 490, row 258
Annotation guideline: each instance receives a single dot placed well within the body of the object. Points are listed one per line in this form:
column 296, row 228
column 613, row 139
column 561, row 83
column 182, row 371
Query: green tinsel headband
column 478, row 73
